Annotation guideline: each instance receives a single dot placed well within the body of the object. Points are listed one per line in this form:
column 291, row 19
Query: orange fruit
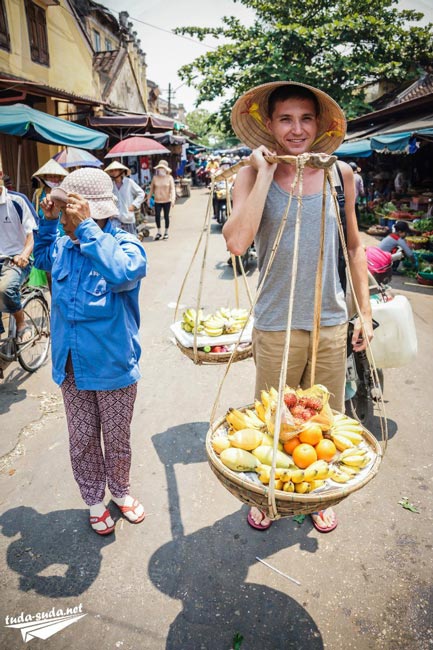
column 311, row 434
column 304, row 455
column 326, row 449
column 291, row 444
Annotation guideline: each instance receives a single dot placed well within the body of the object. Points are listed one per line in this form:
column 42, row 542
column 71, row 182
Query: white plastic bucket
column 394, row 343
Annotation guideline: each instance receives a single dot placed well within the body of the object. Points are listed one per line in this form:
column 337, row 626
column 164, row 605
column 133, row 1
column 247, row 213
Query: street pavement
column 188, row 578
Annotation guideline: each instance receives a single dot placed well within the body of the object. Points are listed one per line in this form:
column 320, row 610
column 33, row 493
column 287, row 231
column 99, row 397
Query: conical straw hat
column 51, row 167
column 250, row 112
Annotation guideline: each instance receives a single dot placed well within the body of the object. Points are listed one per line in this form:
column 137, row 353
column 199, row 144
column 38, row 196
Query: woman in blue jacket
column 96, row 271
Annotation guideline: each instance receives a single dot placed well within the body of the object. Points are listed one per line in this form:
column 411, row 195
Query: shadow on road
column 53, row 556
column 10, row 391
column 207, row 570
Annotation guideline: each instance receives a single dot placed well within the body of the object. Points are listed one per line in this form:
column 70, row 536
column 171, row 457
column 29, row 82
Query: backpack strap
column 339, row 188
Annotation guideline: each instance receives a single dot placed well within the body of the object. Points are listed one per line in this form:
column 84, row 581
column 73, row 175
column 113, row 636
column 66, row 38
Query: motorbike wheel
column 361, row 405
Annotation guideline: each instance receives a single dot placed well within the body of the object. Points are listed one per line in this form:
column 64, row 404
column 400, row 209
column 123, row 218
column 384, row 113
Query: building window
column 4, row 30
column 108, row 47
column 96, row 40
column 37, row 27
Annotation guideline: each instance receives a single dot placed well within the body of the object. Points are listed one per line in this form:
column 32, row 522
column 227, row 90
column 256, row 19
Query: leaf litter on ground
column 405, row 503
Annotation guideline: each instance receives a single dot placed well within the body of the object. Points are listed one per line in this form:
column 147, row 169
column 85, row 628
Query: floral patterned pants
column 89, row 414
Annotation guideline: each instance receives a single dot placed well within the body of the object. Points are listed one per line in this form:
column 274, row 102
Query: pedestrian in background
column 129, row 196
column 18, row 221
column 359, row 189
column 163, row 190
column 292, row 118
column 96, row 271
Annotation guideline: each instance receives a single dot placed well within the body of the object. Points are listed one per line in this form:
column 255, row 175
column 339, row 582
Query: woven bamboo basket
column 288, row 503
column 208, row 358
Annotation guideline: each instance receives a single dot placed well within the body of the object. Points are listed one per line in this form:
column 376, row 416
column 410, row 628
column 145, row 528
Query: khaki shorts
column 268, row 350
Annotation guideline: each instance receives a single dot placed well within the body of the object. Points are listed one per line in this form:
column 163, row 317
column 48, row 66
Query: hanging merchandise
column 288, row 452
column 224, row 333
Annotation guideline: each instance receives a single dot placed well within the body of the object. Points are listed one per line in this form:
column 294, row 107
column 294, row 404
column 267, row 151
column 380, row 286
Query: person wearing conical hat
column 290, row 118
column 163, row 190
column 49, row 176
column 129, row 195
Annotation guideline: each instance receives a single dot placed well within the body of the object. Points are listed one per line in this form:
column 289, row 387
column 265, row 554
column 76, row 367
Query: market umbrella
column 73, row 157
column 137, row 146
column 26, row 122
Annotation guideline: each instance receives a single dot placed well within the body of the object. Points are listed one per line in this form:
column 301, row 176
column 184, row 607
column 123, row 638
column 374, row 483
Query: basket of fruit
column 214, row 338
column 425, row 276
column 417, row 242
column 322, row 455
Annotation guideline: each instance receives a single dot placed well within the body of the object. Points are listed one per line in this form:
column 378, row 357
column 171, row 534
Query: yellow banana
column 297, row 476
column 344, row 418
column 351, row 451
column 352, row 471
column 269, row 441
column 260, row 410
column 353, row 461
column 238, row 460
column 219, row 443
column 316, row 484
column 289, row 486
column 317, row 471
column 339, row 475
column 264, row 396
column 254, row 418
column 247, row 439
column 353, row 436
column 303, row 487
column 341, row 442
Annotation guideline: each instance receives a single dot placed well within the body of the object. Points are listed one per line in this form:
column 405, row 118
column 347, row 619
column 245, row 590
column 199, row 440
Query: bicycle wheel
column 32, row 354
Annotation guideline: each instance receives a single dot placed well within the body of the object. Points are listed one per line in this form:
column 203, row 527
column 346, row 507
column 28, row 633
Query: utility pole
column 169, row 100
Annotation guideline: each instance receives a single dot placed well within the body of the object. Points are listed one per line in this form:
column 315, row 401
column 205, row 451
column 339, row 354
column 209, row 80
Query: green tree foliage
column 336, row 45
column 201, row 122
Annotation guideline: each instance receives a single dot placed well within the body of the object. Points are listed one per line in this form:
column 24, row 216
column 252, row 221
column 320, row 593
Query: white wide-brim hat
column 250, row 112
column 163, row 164
column 51, row 167
column 95, row 186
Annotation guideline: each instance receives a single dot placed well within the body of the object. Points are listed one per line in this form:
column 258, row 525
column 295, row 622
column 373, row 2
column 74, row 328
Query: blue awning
column 24, row 121
column 404, row 142
column 359, row 149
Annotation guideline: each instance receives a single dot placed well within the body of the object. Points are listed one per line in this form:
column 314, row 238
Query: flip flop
column 98, row 520
column 324, row 529
column 126, row 509
column 259, row 526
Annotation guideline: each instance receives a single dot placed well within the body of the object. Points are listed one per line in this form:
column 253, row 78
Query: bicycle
column 32, row 353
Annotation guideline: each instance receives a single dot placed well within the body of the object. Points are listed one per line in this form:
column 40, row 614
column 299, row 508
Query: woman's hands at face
column 77, row 210
column 48, row 209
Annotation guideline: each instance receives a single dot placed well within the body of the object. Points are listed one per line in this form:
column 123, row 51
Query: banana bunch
column 345, row 432
column 225, row 321
column 189, row 319
column 214, row 325
column 293, row 479
column 247, row 419
column 350, row 463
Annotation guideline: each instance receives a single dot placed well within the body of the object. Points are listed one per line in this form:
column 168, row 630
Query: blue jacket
column 95, row 312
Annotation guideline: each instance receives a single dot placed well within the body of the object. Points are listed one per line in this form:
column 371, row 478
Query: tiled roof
column 420, row 88
column 104, row 61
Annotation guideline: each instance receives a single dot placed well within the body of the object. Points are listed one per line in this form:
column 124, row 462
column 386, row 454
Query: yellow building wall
column 70, row 67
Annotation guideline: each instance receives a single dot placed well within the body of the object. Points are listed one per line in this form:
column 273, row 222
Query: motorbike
column 220, row 202
column 362, row 391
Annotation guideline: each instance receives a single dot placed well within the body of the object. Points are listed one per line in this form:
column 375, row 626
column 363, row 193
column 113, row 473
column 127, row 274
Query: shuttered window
column 37, row 27
column 4, row 30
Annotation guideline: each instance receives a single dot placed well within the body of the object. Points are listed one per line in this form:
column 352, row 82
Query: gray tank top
column 272, row 308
